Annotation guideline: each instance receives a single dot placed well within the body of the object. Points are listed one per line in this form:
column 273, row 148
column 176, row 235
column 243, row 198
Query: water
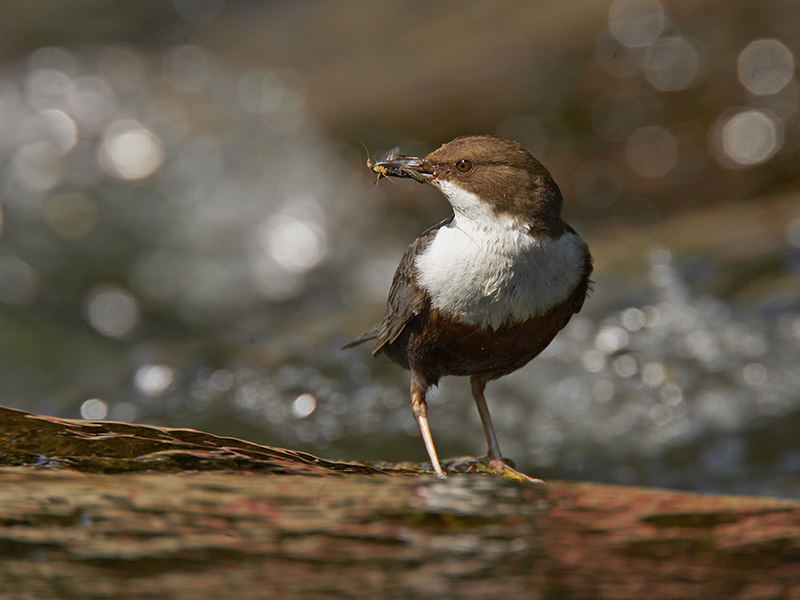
column 182, row 244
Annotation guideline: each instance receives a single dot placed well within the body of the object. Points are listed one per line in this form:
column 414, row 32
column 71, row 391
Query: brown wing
column 406, row 301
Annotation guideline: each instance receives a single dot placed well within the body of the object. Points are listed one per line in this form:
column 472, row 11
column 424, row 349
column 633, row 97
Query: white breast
column 487, row 270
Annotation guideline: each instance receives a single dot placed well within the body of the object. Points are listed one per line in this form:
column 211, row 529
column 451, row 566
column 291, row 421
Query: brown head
column 499, row 172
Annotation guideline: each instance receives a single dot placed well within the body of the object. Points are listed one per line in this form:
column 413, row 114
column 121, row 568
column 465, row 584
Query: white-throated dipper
column 486, row 290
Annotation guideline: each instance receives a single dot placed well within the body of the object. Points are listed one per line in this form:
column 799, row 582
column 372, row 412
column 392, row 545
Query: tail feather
column 364, row 337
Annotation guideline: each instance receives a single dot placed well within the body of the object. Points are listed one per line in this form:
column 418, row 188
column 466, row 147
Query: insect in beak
column 377, row 167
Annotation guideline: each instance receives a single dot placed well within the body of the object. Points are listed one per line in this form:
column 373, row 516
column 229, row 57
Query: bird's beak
column 404, row 166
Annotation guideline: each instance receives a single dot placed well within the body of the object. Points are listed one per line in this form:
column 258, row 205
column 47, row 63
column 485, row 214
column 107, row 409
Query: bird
column 484, row 291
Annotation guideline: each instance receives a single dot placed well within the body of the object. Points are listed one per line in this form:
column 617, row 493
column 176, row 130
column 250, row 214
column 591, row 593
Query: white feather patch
column 487, row 270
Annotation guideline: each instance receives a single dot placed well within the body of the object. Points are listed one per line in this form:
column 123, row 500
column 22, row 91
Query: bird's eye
column 464, row 166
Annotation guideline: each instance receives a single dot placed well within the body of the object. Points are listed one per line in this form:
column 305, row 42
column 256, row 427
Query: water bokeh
column 188, row 238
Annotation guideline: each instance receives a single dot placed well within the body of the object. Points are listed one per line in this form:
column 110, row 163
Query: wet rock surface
column 100, row 509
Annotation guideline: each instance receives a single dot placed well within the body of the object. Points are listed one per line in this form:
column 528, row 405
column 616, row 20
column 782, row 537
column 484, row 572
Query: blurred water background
column 189, row 231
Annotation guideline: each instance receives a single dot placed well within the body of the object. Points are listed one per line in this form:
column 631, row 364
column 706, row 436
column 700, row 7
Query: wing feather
column 406, row 301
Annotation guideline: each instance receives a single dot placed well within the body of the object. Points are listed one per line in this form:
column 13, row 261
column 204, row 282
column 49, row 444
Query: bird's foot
column 506, row 469
column 485, row 464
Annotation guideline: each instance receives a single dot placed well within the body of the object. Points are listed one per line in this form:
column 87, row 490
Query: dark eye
column 464, row 166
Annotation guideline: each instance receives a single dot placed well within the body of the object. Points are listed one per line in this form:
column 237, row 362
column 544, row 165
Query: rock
column 113, row 510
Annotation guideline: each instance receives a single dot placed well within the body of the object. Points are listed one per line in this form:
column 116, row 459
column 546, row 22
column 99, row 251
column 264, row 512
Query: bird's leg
column 478, row 385
column 496, row 460
column 420, row 410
